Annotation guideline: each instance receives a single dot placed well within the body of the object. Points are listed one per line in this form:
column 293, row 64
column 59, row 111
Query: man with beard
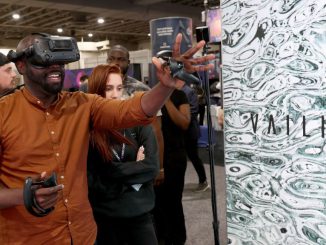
column 45, row 130
column 119, row 55
column 7, row 75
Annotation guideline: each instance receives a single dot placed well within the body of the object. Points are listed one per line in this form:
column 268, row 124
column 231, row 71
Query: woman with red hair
column 121, row 168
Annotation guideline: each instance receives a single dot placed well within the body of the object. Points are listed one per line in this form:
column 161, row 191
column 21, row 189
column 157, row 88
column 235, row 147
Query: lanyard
column 115, row 153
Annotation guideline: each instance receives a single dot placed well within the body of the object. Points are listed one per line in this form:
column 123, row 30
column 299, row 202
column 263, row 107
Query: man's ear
column 21, row 67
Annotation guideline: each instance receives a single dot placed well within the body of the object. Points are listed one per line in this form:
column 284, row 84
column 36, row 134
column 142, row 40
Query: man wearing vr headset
column 44, row 130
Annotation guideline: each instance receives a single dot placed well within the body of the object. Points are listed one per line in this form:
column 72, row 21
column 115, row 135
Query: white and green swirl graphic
column 274, row 78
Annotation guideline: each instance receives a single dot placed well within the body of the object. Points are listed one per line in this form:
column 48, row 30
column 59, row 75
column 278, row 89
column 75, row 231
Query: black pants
column 192, row 152
column 126, row 231
column 170, row 198
column 201, row 110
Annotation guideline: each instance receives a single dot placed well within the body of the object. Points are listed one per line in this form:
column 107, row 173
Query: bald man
column 7, row 75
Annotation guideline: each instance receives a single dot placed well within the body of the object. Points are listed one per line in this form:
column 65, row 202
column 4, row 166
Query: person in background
column 121, row 190
column 7, row 76
column 83, row 85
column 201, row 102
column 119, row 55
column 44, row 129
column 192, row 135
column 175, row 122
column 220, row 117
column 215, row 92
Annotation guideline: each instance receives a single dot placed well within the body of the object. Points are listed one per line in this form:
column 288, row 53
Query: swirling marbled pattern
column 274, row 63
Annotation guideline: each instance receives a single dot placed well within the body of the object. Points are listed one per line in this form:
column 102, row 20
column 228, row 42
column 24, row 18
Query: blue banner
column 163, row 33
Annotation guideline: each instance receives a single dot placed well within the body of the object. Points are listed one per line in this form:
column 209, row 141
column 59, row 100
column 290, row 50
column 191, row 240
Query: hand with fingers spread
column 47, row 197
column 190, row 64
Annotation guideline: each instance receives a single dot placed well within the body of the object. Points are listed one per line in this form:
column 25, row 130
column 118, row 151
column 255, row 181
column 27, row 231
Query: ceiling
column 124, row 19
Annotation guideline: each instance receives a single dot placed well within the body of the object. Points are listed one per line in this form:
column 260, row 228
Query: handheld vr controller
column 30, row 202
column 48, row 50
column 176, row 67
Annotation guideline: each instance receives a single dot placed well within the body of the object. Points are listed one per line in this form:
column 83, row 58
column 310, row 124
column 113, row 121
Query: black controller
column 176, row 67
column 30, row 187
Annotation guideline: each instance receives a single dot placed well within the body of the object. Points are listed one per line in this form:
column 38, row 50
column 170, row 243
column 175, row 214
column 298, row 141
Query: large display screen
column 213, row 21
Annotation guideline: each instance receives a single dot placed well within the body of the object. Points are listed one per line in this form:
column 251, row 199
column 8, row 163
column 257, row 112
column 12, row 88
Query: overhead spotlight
column 100, row 20
column 59, row 30
column 16, row 16
column 90, row 34
column 149, row 34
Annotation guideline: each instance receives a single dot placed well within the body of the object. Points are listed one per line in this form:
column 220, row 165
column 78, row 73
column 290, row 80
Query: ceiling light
column 16, row 16
column 100, row 20
column 149, row 34
column 59, row 30
column 90, row 34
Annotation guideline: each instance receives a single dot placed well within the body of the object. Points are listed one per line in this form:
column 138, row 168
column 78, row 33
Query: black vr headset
column 48, row 50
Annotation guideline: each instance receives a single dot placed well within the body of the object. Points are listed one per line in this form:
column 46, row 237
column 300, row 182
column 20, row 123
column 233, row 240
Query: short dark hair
column 3, row 59
column 119, row 48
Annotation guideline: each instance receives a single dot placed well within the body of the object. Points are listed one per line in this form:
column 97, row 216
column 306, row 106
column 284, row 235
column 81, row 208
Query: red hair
column 102, row 139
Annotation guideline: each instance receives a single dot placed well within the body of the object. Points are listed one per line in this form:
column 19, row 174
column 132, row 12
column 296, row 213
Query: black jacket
column 110, row 190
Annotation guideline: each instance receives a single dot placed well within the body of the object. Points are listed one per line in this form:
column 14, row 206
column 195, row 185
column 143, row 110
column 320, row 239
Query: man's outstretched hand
column 190, row 64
